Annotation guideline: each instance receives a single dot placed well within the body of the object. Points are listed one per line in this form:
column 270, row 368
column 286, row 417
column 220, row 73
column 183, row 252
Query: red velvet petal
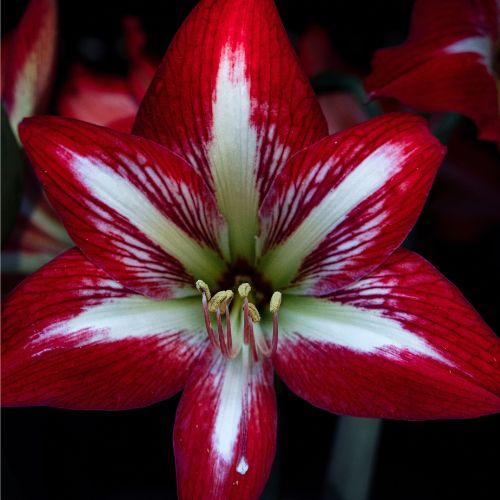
column 135, row 209
column 30, row 61
column 447, row 62
column 341, row 206
column 74, row 338
column 177, row 110
column 400, row 343
column 225, row 429
column 230, row 83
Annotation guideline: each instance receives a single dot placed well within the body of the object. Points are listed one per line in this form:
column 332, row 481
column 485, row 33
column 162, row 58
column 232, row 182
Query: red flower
column 28, row 62
column 110, row 100
column 450, row 62
column 235, row 182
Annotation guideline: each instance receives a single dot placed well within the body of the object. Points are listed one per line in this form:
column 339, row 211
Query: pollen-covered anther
column 253, row 312
column 219, row 301
column 202, row 287
column 244, row 289
column 275, row 304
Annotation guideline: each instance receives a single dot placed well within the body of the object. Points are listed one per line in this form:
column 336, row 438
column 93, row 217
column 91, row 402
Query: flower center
column 236, row 321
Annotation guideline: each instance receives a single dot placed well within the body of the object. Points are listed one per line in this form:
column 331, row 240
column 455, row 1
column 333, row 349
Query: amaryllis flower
column 229, row 237
column 450, row 62
column 28, row 60
column 110, row 100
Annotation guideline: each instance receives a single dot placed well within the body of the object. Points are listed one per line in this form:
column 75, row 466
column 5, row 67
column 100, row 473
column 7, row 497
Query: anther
column 203, row 288
column 253, row 313
column 275, row 302
column 244, row 289
column 219, row 301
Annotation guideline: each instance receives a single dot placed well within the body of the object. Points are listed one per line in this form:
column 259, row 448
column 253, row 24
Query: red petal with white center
column 401, row 343
column 230, row 98
column 447, row 62
column 225, row 428
column 98, row 99
column 134, row 208
column 342, row 206
column 74, row 338
column 30, row 62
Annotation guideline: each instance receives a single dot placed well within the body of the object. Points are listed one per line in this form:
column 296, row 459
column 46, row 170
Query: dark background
column 59, row 454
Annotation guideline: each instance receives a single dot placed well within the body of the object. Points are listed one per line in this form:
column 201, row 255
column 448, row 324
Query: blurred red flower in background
column 450, row 62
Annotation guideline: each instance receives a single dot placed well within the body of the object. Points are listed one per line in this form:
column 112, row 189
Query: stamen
column 220, row 330
column 269, row 349
column 205, row 297
column 244, row 289
column 219, row 301
column 203, row 288
column 245, row 321
column 274, row 308
column 275, row 302
column 253, row 313
column 251, row 338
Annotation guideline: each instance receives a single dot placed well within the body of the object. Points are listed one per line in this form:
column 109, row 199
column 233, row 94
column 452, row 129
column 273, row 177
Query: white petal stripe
column 360, row 330
column 123, row 197
column 119, row 318
column 282, row 263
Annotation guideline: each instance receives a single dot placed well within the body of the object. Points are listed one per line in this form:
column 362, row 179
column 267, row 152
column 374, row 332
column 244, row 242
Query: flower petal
column 30, row 62
column 400, row 343
column 134, row 208
column 225, row 429
column 231, row 99
column 74, row 338
column 98, row 99
column 446, row 64
column 341, row 206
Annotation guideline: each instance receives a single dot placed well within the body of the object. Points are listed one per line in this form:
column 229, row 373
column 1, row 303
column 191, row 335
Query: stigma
column 237, row 319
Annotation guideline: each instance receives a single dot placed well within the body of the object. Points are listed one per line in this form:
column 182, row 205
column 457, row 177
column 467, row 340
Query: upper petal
column 230, row 98
column 74, row 338
column 341, row 206
column 400, row 343
column 30, row 62
column 225, row 428
column 447, row 63
column 133, row 207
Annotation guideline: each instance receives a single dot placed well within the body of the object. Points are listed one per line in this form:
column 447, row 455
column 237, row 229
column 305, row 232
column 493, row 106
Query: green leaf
column 12, row 177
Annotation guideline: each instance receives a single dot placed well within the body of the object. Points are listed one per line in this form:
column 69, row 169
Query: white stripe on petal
column 120, row 318
column 230, row 407
column 232, row 151
column 361, row 330
column 480, row 45
column 118, row 194
column 282, row 263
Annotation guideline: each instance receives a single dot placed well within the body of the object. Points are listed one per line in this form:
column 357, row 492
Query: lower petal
column 400, row 343
column 225, row 430
column 74, row 338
